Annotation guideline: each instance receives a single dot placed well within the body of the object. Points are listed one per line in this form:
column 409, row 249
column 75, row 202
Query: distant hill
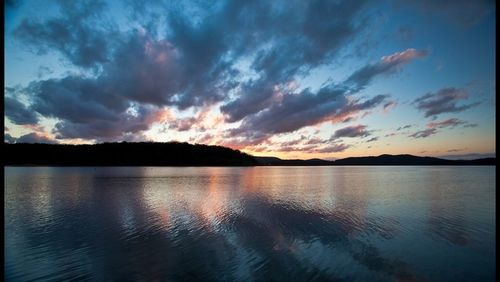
column 184, row 154
column 296, row 162
column 376, row 160
column 409, row 160
column 125, row 154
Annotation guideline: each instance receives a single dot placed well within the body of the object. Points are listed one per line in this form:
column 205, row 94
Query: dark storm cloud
column 78, row 34
column 444, row 101
column 424, row 133
column 351, row 131
column 18, row 113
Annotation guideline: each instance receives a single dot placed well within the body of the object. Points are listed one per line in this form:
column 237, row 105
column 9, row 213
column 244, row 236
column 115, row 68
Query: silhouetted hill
column 296, row 162
column 184, row 154
column 409, row 160
column 125, row 154
column 376, row 160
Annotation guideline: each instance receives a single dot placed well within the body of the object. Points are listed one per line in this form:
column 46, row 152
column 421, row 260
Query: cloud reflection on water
column 214, row 224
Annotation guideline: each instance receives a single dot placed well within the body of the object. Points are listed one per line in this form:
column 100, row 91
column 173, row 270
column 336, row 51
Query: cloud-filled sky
column 293, row 79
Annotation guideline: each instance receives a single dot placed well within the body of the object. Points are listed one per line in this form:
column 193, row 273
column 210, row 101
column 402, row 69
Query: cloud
column 115, row 128
column 424, row 133
column 78, row 34
column 332, row 148
column 293, row 142
column 387, row 64
column 389, row 105
column 391, row 134
column 300, row 37
column 19, row 113
column 314, row 149
column 300, row 110
column 243, row 57
column 351, row 131
column 372, row 139
column 202, row 121
column 204, row 139
column 314, row 141
column 432, row 127
column 452, row 122
column 312, row 145
column 29, row 138
column 139, row 79
column 7, row 138
column 471, row 125
column 404, row 127
column 443, row 101
column 332, row 102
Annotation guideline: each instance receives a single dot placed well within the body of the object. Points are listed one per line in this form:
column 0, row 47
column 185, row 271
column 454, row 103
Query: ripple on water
column 263, row 223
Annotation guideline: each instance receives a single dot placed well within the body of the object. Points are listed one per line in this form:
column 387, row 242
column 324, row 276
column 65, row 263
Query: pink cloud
column 404, row 56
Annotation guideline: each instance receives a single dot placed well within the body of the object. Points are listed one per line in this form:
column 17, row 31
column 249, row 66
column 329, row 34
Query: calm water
column 250, row 224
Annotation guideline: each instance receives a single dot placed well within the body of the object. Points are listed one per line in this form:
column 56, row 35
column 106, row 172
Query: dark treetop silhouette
column 184, row 154
column 126, row 154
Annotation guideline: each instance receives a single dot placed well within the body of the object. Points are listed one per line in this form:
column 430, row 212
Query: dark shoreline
column 175, row 154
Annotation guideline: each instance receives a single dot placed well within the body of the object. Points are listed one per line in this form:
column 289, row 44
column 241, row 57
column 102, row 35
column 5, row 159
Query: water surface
column 250, row 224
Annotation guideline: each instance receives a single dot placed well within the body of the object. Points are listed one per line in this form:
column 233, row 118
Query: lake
column 250, row 223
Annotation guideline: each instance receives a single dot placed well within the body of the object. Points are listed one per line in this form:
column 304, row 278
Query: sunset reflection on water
column 255, row 223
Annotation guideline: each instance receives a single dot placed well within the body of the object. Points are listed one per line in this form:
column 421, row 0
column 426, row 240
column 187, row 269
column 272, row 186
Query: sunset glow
column 291, row 79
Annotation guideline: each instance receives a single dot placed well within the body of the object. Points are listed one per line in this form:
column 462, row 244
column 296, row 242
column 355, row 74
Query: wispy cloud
column 387, row 64
column 351, row 131
column 404, row 127
column 432, row 127
column 452, row 122
column 443, row 101
column 389, row 105
column 424, row 133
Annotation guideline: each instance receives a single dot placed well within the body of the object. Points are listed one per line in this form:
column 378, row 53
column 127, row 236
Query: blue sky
column 295, row 79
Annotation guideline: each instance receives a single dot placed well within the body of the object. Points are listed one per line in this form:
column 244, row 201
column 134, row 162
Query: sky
column 291, row 79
